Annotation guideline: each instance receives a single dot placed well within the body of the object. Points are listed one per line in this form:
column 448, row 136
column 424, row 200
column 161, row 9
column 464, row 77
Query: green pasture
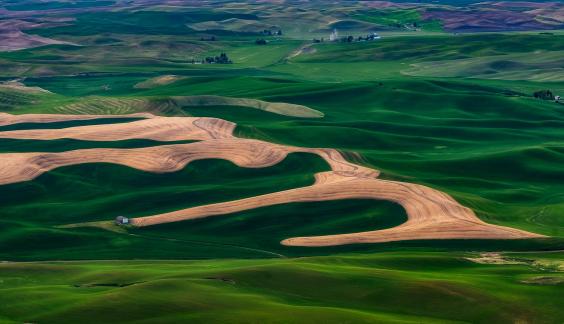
column 488, row 143
column 452, row 112
column 397, row 19
column 385, row 287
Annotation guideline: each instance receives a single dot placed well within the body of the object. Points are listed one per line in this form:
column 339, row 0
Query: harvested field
column 232, row 24
column 14, row 39
column 173, row 106
column 158, row 81
column 116, row 106
column 486, row 20
column 280, row 108
column 9, row 119
column 158, row 128
column 544, row 280
column 304, row 49
column 431, row 214
column 168, row 158
column 18, row 86
column 494, row 258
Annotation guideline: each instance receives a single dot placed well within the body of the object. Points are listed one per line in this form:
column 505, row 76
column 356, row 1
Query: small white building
column 122, row 220
column 334, row 35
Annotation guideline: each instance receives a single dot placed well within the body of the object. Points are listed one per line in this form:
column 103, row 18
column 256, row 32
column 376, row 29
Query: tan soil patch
column 247, row 153
column 96, row 105
column 431, row 214
column 107, row 225
column 280, row 108
column 495, row 258
column 14, row 39
column 172, row 106
column 546, row 265
column 233, row 24
column 544, row 280
column 18, row 86
column 9, row 119
column 304, row 49
column 158, row 81
column 157, row 128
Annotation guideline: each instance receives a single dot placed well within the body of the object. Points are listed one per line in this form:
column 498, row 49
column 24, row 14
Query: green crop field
column 444, row 99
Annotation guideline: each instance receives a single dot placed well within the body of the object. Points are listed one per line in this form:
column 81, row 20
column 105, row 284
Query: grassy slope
column 387, row 287
column 397, row 19
column 31, row 211
column 500, row 156
column 486, row 142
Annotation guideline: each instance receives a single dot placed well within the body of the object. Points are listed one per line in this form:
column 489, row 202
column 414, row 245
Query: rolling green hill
column 452, row 111
column 388, row 287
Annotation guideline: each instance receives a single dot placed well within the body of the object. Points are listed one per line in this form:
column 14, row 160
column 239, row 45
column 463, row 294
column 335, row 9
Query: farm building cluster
column 334, row 37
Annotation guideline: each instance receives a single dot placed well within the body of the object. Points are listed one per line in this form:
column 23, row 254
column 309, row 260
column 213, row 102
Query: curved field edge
column 98, row 192
column 360, row 288
column 280, row 108
column 251, row 234
column 432, row 214
column 102, row 191
column 158, row 105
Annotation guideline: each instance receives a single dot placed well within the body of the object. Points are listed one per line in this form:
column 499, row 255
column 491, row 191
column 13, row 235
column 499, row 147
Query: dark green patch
column 61, row 145
column 65, row 124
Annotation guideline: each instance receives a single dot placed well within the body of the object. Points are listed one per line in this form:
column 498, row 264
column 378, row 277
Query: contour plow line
column 249, row 153
column 154, row 128
column 431, row 214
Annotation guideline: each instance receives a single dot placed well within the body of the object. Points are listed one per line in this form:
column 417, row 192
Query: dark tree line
column 350, row 39
column 208, row 39
column 268, row 32
column 544, row 95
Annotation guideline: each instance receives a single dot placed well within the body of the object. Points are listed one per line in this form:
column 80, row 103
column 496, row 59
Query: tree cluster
column 370, row 37
column 208, row 39
column 268, row 32
column 544, row 95
column 261, row 41
column 350, row 39
column 221, row 59
column 409, row 25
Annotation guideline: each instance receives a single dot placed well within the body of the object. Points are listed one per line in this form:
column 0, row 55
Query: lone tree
column 261, row 41
column 544, row 95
